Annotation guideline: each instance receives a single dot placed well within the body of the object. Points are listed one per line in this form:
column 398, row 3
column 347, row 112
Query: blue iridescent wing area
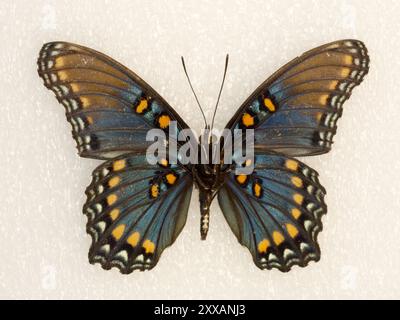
column 109, row 107
column 295, row 111
column 135, row 210
column 276, row 211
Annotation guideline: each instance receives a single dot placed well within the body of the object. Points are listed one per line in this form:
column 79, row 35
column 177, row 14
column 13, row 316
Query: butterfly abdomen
column 207, row 179
column 205, row 198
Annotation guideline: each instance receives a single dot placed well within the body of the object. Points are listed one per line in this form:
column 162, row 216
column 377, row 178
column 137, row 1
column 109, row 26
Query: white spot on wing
column 105, row 248
column 101, row 226
column 123, row 255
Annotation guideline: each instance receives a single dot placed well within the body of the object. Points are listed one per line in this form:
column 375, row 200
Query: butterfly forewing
column 295, row 111
column 109, row 107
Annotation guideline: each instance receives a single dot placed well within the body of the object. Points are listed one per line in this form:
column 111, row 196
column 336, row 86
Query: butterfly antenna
column 220, row 91
column 194, row 93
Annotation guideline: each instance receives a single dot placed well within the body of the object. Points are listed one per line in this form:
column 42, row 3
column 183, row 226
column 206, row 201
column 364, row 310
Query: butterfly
column 136, row 209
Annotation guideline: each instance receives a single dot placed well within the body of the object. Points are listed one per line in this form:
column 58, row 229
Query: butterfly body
column 137, row 208
column 208, row 179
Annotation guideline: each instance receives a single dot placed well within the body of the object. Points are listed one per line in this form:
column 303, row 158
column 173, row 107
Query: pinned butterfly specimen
column 136, row 209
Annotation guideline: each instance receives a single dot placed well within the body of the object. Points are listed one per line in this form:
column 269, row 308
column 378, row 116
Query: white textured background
column 43, row 243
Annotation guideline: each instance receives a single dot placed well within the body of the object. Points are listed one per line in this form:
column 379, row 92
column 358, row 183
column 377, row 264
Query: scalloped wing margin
column 276, row 211
column 135, row 211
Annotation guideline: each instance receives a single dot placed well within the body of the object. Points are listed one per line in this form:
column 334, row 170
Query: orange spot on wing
column 323, row 99
column 297, row 182
column 278, row 237
column 171, row 178
column 133, row 239
column 62, row 75
column 154, row 190
column 257, row 189
column 59, row 63
column 118, row 231
column 114, row 181
column 269, row 104
column 111, row 199
column 142, row 106
column 149, row 246
column 263, row 246
column 119, row 165
column 114, row 214
column 163, row 121
column 333, row 85
column 345, row 72
column 348, row 59
column 242, row 178
column 298, row 198
column 292, row 230
column 296, row 213
column 292, row 164
column 74, row 87
column 247, row 119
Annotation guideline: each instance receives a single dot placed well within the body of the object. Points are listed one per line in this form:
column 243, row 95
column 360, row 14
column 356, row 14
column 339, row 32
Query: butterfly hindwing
column 109, row 107
column 275, row 211
column 135, row 210
column 295, row 111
